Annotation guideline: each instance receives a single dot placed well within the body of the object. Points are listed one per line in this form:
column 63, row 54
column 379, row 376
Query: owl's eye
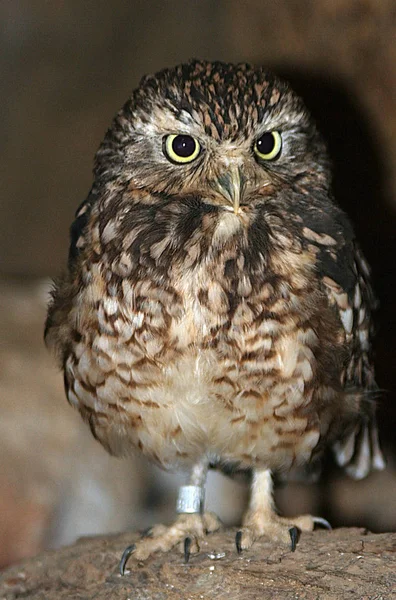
column 268, row 145
column 181, row 148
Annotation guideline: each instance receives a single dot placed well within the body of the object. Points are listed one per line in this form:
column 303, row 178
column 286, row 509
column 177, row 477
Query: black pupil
column 266, row 143
column 183, row 145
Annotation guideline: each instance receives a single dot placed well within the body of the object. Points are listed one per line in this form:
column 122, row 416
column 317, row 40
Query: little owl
column 216, row 308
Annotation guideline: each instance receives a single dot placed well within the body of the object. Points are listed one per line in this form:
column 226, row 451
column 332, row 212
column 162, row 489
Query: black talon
column 238, row 542
column 293, row 531
column 124, row 558
column 146, row 533
column 187, row 549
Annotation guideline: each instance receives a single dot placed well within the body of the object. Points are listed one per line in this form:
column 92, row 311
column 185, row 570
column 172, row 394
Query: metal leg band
column 190, row 499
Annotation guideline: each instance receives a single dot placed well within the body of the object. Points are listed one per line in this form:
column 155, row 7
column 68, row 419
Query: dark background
column 66, row 67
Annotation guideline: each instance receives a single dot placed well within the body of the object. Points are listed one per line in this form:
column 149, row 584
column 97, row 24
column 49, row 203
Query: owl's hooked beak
column 230, row 185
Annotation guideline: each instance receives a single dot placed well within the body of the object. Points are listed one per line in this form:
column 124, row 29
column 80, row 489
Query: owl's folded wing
column 354, row 301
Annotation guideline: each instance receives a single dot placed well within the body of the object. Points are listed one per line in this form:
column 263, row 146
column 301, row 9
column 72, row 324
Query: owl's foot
column 261, row 518
column 187, row 531
column 280, row 529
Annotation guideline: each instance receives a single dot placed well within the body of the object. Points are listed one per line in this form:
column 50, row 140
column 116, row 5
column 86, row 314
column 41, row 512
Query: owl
column 216, row 310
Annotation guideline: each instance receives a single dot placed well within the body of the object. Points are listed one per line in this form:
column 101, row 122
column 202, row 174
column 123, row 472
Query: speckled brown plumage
column 200, row 334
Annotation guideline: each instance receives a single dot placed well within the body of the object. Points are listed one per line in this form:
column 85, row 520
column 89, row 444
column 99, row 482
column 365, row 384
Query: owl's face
column 225, row 133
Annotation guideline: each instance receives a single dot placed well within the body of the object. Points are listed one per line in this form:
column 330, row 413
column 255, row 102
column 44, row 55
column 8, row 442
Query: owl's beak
column 230, row 186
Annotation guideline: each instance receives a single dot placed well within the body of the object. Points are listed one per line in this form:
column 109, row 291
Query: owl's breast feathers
column 185, row 329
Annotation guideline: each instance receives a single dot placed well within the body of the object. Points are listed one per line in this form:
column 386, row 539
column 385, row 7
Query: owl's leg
column 190, row 527
column 261, row 517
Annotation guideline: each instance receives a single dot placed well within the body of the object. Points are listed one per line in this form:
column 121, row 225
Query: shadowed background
column 66, row 67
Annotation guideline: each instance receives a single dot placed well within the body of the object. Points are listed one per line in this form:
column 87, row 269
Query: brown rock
column 344, row 563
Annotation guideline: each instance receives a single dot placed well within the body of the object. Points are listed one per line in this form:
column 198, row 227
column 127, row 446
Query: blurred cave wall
column 66, row 67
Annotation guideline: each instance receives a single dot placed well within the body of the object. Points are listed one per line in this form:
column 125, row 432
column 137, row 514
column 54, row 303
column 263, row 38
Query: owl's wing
column 346, row 280
column 354, row 301
column 78, row 226
column 58, row 307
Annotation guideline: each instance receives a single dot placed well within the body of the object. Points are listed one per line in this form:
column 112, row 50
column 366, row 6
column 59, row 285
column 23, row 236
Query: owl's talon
column 212, row 522
column 187, row 549
column 125, row 556
column 146, row 533
column 238, row 542
column 323, row 522
column 294, row 535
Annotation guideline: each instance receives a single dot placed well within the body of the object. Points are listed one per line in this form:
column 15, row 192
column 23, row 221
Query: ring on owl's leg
column 190, row 499
column 262, row 520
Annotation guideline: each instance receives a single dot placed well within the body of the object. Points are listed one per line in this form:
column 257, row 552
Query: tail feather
column 378, row 460
column 359, row 452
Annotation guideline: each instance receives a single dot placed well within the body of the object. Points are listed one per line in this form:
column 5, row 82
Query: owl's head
column 226, row 133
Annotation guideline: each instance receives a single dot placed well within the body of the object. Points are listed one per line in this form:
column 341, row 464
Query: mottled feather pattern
column 191, row 329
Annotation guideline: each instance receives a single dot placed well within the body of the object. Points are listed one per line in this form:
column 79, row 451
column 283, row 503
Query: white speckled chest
column 207, row 375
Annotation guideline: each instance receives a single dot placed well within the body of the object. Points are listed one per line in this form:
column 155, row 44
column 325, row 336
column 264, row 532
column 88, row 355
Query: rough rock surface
column 344, row 563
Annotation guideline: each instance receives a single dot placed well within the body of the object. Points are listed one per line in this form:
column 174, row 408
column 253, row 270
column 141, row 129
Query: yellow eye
column 181, row 148
column 268, row 145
